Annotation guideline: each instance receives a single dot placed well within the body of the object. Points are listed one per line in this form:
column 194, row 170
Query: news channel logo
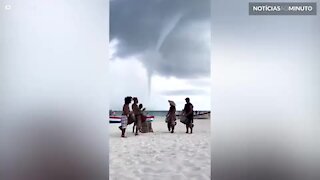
column 282, row 8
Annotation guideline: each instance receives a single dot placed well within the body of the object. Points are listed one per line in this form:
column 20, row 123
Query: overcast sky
column 160, row 50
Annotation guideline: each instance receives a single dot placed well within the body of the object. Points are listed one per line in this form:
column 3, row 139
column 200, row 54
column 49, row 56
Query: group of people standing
column 137, row 116
column 186, row 116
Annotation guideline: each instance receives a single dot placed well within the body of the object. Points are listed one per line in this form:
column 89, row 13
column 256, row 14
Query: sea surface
column 155, row 113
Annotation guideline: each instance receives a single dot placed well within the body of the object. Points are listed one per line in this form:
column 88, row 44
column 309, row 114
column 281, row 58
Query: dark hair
column 140, row 106
column 187, row 99
column 127, row 100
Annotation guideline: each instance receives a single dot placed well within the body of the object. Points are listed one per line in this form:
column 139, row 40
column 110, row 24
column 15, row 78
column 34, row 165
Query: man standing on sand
column 188, row 112
column 137, row 112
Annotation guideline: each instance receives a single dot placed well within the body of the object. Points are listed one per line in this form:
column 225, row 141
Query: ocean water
column 156, row 113
column 159, row 115
column 150, row 113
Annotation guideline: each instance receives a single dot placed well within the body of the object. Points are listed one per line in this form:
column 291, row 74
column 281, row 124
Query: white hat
column 171, row 103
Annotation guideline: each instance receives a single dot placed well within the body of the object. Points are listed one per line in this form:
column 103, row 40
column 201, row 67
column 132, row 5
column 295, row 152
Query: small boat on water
column 117, row 119
column 202, row 115
column 199, row 115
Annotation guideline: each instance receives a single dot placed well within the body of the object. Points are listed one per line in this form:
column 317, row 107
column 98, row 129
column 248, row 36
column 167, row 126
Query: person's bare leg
column 187, row 129
column 138, row 125
column 123, row 132
column 172, row 131
column 136, row 130
column 168, row 124
column 134, row 124
column 150, row 127
column 140, row 128
column 191, row 126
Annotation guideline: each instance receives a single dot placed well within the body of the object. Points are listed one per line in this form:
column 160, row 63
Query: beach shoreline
column 161, row 154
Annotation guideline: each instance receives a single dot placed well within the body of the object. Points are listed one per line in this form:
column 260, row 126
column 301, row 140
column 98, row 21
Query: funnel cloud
column 171, row 38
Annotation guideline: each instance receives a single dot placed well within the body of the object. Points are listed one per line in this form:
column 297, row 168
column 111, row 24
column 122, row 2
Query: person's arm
column 184, row 111
column 174, row 111
column 136, row 109
column 129, row 112
column 168, row 112
column 139, row 111
column 126, row 111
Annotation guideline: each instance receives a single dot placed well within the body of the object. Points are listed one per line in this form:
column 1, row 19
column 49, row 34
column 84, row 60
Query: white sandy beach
column 161, row 155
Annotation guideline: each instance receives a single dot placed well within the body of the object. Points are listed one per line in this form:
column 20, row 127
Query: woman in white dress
column 171, row 116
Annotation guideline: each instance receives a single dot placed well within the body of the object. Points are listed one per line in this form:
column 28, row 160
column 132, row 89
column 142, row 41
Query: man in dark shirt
column 188, row 110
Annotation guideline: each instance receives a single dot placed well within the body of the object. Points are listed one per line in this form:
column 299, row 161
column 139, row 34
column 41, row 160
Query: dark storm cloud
column 184, row 92
column 171, row 37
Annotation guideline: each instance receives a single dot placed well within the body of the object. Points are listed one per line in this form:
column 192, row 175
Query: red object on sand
column 115, row 117
column 143, row 118
column 119, row 117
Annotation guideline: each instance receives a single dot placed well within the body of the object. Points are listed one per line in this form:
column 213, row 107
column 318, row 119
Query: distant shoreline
column 162, row 110
column 197, row 114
